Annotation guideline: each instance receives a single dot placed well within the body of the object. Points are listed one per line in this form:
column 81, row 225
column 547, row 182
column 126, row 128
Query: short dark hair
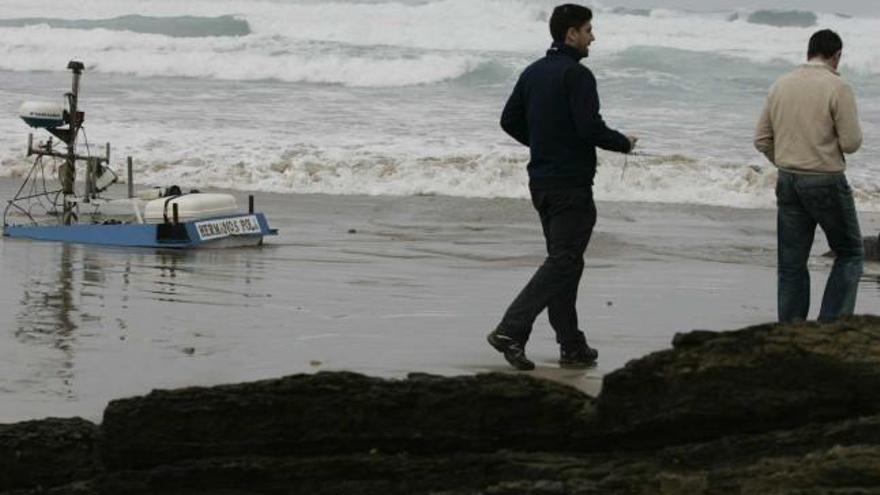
column 567, row 16
column 825, row 43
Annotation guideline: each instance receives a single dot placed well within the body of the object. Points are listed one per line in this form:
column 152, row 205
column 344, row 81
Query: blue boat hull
column 213, row 232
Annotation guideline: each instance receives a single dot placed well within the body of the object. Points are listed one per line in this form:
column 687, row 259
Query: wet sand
column 378, row 285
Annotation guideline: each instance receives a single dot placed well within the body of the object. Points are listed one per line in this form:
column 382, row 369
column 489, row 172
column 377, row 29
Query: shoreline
column 414, row 288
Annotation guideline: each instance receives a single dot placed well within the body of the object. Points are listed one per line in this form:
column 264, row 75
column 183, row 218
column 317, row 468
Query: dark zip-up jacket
column 554, row 110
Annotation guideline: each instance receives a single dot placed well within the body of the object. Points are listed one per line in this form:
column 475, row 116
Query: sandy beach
column 379, row 285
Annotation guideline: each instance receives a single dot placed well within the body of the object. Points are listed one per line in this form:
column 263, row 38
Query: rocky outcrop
column 47, row 453
column 341, row 413
column 774, row 463
column 753, row 380
column 764, row 410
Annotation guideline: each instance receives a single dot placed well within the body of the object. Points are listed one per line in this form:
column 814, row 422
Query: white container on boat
column 190, row 207
column 42, row 114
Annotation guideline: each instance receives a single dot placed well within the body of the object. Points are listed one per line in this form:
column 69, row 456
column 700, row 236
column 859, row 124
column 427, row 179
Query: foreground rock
column 49, row 452
column 336, row 413
column 824, row 459
column 764, row 410
column 753, row 380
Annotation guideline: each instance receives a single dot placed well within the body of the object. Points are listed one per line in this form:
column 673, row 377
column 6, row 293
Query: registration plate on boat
column 224, row 227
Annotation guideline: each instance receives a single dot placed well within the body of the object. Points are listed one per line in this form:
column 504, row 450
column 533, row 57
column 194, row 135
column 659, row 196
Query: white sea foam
column 177, row 26
column 241, row 59
column 439, row 40
column 496, row 173
column 690, row 84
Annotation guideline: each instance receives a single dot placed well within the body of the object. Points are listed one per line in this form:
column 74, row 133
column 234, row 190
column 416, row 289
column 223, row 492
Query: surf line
column 635, row 153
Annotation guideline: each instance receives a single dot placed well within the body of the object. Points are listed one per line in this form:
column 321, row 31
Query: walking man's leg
column 567, row 217
column 796, row 230
column 562, row 310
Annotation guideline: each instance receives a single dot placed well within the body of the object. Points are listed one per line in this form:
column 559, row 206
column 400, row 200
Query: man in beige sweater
column 808, row 123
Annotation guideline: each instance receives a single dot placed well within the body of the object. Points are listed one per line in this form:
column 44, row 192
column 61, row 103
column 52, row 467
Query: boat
column 46, row 209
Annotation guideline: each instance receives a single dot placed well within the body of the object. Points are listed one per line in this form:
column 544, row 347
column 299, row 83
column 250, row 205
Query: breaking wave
column 629, row 11
column 233, row 59
column 670, row 178
column 784, row 18
column 402, row 97
column 383, row 43
column 177, row 27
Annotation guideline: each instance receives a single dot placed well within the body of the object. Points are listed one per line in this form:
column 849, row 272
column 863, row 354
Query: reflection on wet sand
column 47, row 318
column 82, row 292
column 166, row 285
column 209, row 277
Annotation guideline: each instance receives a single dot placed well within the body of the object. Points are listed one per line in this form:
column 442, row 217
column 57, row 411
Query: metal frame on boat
column 158, row 219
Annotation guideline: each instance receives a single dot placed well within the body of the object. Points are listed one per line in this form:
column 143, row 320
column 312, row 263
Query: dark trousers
column 805, row 201
column 567, row 217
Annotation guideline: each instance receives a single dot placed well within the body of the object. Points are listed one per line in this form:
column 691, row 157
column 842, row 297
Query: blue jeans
column 805, row 201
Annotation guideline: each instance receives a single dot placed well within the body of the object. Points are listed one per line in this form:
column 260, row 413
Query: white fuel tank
column 42, row 114
column 190, row 207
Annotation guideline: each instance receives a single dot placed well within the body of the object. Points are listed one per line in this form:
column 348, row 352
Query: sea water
column 391, row 99
column 404, row 97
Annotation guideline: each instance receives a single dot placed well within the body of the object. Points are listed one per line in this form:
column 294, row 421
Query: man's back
column 555, row 147
column 554, row 110
column 809, row 121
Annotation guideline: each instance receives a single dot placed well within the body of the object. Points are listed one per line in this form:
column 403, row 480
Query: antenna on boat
column 53, row 117
column 74, row 121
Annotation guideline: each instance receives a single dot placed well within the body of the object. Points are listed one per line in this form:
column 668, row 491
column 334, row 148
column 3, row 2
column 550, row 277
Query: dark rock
column 812, row 459
column 765, row 410
column 824, row 459
column 753, row 380
column 747, row 450
column 330, row 413
column 75, row 488
column 362, row 474
column 693, row 339
column 47, row 452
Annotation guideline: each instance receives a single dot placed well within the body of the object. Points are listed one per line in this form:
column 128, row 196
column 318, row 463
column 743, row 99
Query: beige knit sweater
column 809, row 121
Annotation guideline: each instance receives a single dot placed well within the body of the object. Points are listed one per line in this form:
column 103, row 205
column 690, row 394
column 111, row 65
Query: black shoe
column 578, row 358
column 513, row 351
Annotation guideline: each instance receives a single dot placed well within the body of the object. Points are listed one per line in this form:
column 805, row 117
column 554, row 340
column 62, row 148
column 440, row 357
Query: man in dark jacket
column 554, row 110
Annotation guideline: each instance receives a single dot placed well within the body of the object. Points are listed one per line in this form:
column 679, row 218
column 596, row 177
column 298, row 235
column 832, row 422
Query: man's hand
column 632, row 142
